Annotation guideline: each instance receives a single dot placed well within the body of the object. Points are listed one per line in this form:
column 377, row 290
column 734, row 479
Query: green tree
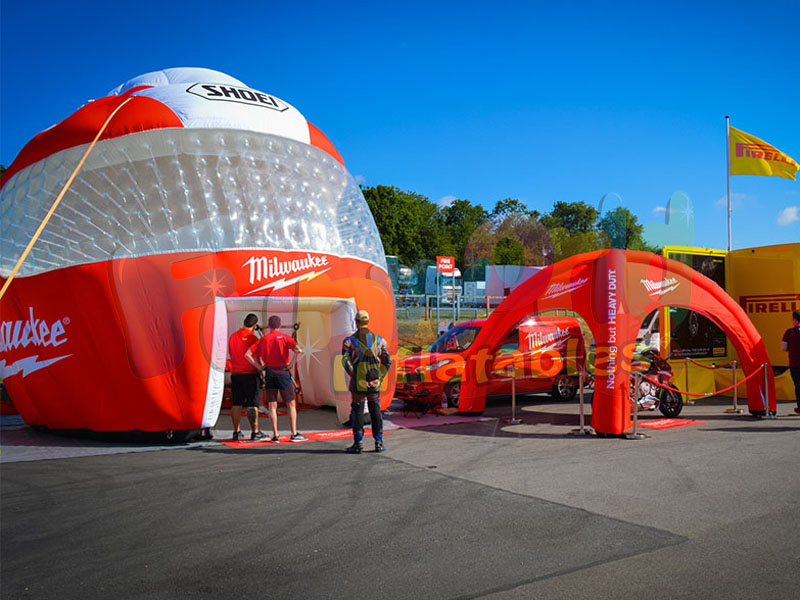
column 507, row 206
column 566, row 244
column 575, row 217
column 407, row 223
column 509, row 252
column 460, row 220
column 623, row 230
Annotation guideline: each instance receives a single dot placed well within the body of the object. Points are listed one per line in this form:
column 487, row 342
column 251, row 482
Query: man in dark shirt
column 791, row 344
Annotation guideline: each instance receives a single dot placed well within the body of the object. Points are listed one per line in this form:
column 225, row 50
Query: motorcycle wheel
column 670, row 403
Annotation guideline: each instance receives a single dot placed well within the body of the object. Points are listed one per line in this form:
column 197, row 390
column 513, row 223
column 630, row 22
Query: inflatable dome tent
column 203, row 200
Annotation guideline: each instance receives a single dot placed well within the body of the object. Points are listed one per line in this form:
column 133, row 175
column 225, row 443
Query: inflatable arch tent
column 613, row 290
column 203, row 200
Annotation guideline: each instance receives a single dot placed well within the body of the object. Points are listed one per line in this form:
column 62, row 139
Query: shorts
column 243, row 389
column 279, row 379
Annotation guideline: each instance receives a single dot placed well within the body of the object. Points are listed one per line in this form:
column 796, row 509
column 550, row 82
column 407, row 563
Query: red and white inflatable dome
column 203, row 200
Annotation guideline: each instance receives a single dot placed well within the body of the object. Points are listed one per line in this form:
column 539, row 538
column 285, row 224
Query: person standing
column 791, row 344
column 366, row 360
column 244, row 378
column 276, row 353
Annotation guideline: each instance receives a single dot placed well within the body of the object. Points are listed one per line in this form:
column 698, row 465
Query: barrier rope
column 712, row 367
column 707, row 394
column 57, row 201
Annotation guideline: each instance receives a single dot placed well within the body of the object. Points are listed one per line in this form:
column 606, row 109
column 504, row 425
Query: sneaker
column 258, row 436
column 236, row 436
column 263, row 410
column 298, row 438
column 355, row 449
column 275, row 439
column 379, row 447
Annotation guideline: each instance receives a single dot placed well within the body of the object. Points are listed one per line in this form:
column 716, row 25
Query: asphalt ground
column 475, row 509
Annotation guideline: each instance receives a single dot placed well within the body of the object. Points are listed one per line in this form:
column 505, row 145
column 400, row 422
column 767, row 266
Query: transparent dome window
column 177, row 190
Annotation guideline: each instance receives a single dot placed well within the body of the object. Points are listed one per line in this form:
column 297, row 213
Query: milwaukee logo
column 537, row 339
column 659, row 288
column 275, row 271
column 32, row 331
column 770, row 303
column 27, row 365
column 559, row 289
column 761, row 151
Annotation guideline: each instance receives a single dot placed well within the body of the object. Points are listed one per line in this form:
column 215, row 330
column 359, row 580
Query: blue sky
column 480, row 101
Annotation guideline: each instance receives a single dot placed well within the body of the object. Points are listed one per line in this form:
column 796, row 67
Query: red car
column 540, row 354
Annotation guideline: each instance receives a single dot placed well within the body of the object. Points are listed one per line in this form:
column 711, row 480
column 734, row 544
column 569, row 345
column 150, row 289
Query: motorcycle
column 651, row 396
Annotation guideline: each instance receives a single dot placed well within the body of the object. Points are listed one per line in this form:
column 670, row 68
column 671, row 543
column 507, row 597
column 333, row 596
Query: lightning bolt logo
column 282, row 282
column 27, row 365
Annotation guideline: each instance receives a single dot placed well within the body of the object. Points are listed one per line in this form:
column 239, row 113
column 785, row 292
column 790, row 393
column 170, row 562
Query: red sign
column 445, row 264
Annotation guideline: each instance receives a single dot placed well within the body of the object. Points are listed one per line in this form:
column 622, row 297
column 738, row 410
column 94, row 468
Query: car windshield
column 454, row 340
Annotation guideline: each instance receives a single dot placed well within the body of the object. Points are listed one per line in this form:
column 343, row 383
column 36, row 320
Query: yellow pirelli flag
column 752, row 156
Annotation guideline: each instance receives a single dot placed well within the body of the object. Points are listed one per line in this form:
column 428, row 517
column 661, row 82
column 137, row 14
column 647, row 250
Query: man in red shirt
column 273, row 353
column 791, row 344
column 244, row 378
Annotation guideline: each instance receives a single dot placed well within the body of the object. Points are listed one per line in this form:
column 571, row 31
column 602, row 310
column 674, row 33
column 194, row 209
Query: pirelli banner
column 764, row 281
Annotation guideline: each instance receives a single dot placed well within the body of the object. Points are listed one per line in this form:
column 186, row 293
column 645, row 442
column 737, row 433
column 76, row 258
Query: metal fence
column 426, row 307
column 429, row 307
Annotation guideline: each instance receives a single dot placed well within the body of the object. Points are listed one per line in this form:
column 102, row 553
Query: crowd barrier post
column 635, row 435
column 582, row 430
column 735, row 408
column 513, row 420
column 767, row 414
column 688, row 400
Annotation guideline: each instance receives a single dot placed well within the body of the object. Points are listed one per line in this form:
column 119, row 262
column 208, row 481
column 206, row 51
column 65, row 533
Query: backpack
column 367, row 364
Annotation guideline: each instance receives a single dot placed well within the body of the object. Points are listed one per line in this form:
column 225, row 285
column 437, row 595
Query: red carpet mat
column 669, row 423
column 314, row 436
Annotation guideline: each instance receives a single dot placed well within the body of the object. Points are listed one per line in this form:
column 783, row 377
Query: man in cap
column 366, row 360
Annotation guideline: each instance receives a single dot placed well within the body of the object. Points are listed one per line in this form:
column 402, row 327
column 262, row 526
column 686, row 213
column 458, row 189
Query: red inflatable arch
column 613, row 290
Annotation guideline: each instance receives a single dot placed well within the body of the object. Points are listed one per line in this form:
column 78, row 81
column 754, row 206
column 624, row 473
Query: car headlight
column 434, row 365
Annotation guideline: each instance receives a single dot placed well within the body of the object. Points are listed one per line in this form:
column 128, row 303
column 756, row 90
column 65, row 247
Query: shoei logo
column 230, row 93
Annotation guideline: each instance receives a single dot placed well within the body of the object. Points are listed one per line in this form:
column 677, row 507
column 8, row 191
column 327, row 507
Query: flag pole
column 728, row 173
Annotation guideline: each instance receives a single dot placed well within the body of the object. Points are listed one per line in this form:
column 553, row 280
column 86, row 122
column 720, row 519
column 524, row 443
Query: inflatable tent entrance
column 199, row 189
column 323, row 323
column 613, row 290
